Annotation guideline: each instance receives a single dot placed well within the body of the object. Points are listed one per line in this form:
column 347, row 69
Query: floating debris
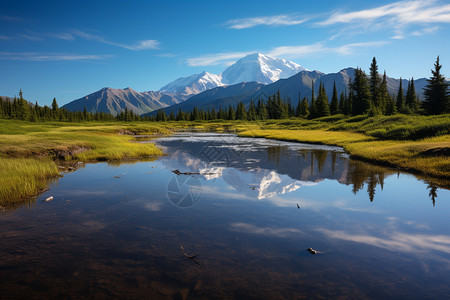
column 187, row 255
column 119, row 176
column 49, row 199
column 177, row 172
column 298, row 206
column 312, row 251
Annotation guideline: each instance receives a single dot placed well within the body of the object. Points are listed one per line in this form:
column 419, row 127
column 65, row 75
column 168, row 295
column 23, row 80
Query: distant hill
column 113, row 101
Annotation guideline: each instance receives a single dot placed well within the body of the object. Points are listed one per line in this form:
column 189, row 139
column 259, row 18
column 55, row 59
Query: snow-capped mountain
column 257, row 67
column 193, row 84
column 260, row 68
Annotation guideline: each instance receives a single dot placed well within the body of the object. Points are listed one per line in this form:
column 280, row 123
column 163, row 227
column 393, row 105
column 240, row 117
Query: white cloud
column 395, row 16
column 141, row 45
column 216, row 59
column 34, row 56
column 288, row 52
column 278, row 20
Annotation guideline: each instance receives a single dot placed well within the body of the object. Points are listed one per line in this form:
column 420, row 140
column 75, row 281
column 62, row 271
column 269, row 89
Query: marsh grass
column 27, row 150
column 22, row 178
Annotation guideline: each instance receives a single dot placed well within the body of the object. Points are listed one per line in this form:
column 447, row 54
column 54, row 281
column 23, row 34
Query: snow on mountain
column 253, row 67
column 260, row 68
column 193, row 84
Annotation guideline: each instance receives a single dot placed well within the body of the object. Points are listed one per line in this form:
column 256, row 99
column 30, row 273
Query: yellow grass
column 21, row 178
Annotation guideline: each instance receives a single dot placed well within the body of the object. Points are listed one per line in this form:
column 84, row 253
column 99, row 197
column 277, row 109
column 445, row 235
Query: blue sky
column 68, row 49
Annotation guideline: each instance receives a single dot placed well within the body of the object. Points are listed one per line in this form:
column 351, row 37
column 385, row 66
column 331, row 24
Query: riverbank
column 32, row 154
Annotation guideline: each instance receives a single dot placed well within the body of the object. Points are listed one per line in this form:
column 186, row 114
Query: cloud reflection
column 268, row 231
column 402, row 242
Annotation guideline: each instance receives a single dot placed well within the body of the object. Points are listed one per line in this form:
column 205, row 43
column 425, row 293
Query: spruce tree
column 384, row 94
column 400, row 98
column 375, row 84
column 341, row 108
column 304, row 109
column 312, row 106
column 334, row 104
column 322, row 106
column 361, row 97
column 437, row 97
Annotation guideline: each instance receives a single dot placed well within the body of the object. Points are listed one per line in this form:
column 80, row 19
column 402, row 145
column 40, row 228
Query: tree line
column 366, row 94
column 20, row 109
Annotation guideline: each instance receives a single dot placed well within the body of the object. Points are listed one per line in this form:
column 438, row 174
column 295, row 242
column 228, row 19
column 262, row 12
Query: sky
column 69, row 49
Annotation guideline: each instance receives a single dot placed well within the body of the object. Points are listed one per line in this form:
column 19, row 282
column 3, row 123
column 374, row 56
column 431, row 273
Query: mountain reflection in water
column 270, row 166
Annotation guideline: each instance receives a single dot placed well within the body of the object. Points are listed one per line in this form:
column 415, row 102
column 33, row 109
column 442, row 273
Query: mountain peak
column 260, row 67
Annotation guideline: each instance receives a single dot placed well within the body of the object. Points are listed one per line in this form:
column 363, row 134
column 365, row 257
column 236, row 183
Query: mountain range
column 251, row 77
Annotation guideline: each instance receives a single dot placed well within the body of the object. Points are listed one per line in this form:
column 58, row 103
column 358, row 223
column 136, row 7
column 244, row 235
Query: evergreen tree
column 298, row 109
column 55, row 110
column 304, row 109
column 231, row 113
column 312, row 106
column 322, row 106
column 400, row 98
column 341, row 108
column 361, row 98
column 411, row 98
column 384, row 94
column 375, row 84
column 251, row 114
column 391, row 108
column 437, row 97
column 241, row 113
column 334, row 104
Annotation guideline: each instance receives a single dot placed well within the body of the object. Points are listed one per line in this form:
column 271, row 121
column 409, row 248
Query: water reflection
column 113, row 231
column 271, row 167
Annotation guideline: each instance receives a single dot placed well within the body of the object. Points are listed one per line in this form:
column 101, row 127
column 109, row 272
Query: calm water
column 249, row 209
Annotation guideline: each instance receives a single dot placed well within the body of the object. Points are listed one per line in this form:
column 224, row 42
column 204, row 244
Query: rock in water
column 312, row 251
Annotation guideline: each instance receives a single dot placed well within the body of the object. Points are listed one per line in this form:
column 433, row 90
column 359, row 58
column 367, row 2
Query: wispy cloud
column 268, row 231
column 396, row 241
column 34, row 56
column 396, row 16
column 75, row 33
column 278, row 20
column 289, row 52
column 10, row 18
column 216, row 59
column 141, row 45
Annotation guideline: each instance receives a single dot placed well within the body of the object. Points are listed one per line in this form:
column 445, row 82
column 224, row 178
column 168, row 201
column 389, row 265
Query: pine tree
column 361, row 98
column 437, row 97
column 391, row 108
column 312, row 106
column 251, row 114
column 55, row 110
column 334, row 104
column 341, row 108
column 384, row 94
column 400, row 98
column 375, row 84
column 304, row 109
column 231, row 113
column 322, row 106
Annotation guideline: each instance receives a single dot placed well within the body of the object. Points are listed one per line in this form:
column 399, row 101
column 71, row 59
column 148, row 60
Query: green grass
column 21, row 178
column 28, row 150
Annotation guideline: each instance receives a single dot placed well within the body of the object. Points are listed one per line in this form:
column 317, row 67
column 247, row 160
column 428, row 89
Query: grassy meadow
column 30, row 152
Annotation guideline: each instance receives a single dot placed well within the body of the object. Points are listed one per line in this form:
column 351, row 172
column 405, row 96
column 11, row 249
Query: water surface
column 249, row 208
